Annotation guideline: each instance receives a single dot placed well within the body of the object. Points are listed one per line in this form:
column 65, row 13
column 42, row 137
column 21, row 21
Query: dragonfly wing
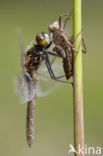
column 22, row 50
column 25, row 89
column 45, row 84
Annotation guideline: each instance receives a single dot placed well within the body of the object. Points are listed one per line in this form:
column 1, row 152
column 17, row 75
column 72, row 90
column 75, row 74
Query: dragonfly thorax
column 34, row 56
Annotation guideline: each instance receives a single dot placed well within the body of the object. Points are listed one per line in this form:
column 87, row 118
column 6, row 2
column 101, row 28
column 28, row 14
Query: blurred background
column 54, row 113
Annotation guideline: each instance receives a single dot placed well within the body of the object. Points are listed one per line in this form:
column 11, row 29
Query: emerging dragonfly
column 64, row 45
column 36, row 77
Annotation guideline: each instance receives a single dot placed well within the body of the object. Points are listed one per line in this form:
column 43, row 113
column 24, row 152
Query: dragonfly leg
column 59, row 53
column 53, row 77
column 84, row 46
column 53, row 60
column 66, row 20
column 81, row 43
column 60, row 18
column 71, row 45
column 57, row 79
column 53, row 54
column 77, row 37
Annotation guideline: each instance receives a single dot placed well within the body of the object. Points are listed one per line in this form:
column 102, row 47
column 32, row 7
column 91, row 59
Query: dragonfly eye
column 42, row 39
column 47, row 38
column 39, row 37
column 54, row 26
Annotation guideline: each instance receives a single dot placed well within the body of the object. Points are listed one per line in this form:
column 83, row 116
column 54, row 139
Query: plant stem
column 77, row 79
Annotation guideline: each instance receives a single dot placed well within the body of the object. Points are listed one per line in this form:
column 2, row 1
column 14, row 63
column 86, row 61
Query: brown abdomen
column 30, row 122
column 68, row 65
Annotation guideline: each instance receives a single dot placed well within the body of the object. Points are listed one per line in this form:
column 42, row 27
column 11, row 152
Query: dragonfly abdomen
column 30, row 122
column 67, row 65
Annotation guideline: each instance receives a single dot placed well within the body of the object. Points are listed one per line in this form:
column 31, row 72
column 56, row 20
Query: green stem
column 77, row 79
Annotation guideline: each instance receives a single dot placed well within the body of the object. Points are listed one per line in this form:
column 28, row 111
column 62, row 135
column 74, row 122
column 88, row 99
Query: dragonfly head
column 43, row 39
column 53, row 27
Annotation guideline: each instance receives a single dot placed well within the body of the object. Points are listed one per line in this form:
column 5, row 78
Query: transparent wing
column 22, row 50
column 25, row 88
column 45, row 84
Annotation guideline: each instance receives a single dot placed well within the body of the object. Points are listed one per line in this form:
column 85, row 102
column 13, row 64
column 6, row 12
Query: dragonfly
column 64, row 45
column 37, row 76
